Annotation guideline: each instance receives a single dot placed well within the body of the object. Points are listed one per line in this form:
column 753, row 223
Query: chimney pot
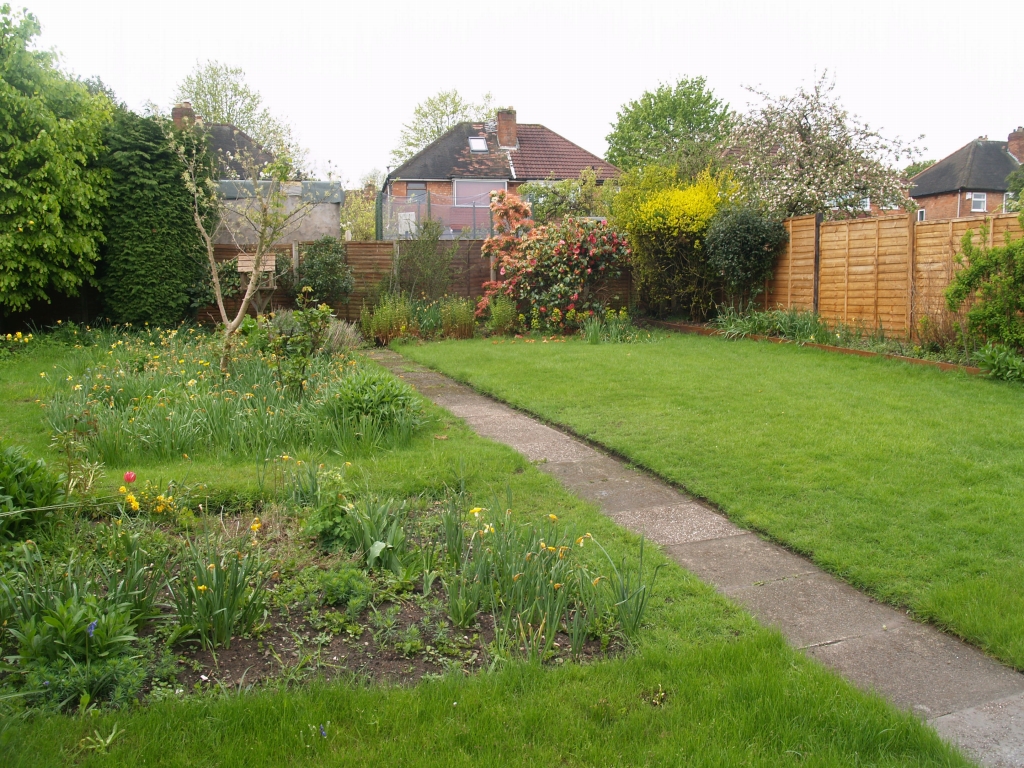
column 182, row 114
column 507, row 138
column 1015, row 143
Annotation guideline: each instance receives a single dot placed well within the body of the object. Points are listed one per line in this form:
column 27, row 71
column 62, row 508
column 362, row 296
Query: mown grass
column 904, row 480
column 705, row 686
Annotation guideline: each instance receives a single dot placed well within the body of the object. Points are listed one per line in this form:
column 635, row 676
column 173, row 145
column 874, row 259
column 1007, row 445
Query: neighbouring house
column 226, row 143
column 969, row 182
column 451, row 179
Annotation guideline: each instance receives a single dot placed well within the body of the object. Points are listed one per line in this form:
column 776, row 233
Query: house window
column 865, row 204
column 477, row 144
column 416, row 191
column 1007, row 197
column 979, row 202
column 920, row 214
column 476, row 193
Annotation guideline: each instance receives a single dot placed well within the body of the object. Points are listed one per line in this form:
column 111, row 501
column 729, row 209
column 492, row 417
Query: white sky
column 347, row 74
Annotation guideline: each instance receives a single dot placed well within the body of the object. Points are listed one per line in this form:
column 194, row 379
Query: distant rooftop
column 980, row 165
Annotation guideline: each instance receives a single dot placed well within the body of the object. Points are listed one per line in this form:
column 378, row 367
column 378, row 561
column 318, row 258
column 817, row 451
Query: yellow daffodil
column 122, row 489
column 553, row 518
column 256, row 525
column 202, row 587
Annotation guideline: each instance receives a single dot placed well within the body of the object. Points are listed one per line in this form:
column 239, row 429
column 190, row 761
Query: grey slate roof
column 226, row 142
column 981, row 165
column 315, row 191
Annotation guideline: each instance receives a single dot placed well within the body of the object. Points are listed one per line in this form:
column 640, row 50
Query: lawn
column 903, row 480
column 703, row 684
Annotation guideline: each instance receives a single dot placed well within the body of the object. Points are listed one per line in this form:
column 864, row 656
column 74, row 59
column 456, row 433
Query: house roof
column 982, row 165
column 540, row 153
column 227, row 142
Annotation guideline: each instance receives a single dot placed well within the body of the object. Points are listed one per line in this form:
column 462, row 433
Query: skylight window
column 477, row 143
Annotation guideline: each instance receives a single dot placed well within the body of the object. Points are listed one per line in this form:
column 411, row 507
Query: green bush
column 994, row 277
column 25, row 485
column 743, row 246
column 1000, row 362
column 346, row 587
column 323, row 268
column 372, row 529
column 425, row 266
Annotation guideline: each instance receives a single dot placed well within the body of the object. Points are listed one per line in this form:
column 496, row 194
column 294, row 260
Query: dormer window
column 477, row 143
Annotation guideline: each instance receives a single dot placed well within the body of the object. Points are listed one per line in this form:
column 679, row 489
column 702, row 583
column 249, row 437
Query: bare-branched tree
column 261, row 215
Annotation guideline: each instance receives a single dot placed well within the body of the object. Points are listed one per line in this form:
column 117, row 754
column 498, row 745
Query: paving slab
column 992, row 733
column 677, row 523
column 972, row 700
column 919, row 668
column 814, row 608
column 739, row 561
column 615, row 487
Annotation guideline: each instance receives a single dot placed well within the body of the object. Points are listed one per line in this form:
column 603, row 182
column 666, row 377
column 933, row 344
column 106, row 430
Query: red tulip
column 129, row 477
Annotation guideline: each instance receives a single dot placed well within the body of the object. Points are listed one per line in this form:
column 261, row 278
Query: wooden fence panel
column 792, row 284
column 884, row 272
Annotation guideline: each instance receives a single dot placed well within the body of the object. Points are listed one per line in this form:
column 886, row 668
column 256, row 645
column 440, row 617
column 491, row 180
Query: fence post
column 378, row 217
column 817, row 259
column 911, row 245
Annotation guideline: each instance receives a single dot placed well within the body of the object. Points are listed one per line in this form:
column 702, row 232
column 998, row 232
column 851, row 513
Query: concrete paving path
column 972, row 700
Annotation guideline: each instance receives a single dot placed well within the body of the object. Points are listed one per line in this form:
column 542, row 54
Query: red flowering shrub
column 551, row 271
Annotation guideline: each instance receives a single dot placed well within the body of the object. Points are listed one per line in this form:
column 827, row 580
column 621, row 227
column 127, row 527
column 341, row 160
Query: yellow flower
column 558, row 586
column 594, row 582
column 475, row 511
column 553, row 518
column 579, row 541
column 516, row 578
column 42, row 375
column 190, row 383
column 202, row 587
column 256, row 525
column 122, row 489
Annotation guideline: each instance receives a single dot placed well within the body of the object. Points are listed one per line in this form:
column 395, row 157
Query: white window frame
column 1007, row 197
column 455, row 191
column 478, row 138
column 921, row 214
column 983, row 197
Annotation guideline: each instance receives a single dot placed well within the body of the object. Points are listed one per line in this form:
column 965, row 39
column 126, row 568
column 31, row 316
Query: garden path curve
column 972, row 700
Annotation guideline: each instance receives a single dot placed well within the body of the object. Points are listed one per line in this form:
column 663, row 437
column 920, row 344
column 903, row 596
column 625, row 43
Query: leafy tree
column 1015, row 185
column 552, row 200
column 743, row 246
column 52, row 190
column 359, row 212
column 220, row 94
column 681, row 125
column 153, row 257
column 434, row 117
column 805, row 153
column 323, row 269
column 915, row 168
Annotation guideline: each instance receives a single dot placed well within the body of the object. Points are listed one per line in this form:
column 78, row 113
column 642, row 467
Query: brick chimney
column 1014, row 143
column 182, row 114
column 507, row 138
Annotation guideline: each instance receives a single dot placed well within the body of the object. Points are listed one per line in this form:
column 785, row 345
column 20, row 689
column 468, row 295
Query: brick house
column 969, row 182
column 451, row 179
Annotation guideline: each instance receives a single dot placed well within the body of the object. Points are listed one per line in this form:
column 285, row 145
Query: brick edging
column 702, row 330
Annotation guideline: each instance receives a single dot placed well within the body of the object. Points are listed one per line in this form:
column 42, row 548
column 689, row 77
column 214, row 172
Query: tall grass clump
column 159, row 396
column 397, row 315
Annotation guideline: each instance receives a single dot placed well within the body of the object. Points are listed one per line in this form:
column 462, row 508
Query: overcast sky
column 347, row 74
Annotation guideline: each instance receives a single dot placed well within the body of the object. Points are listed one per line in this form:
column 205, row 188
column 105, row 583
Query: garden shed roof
column 981, row 165
column 313, row 191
